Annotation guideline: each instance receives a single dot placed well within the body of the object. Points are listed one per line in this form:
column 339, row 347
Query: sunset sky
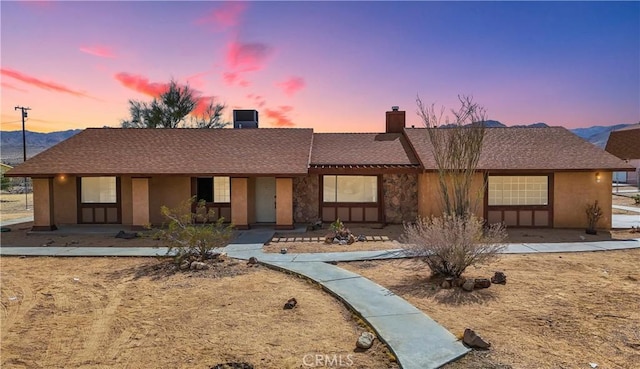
column 331, row 66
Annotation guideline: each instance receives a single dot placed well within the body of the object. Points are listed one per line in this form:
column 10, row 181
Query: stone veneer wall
column 305, row 199
column 400, row 197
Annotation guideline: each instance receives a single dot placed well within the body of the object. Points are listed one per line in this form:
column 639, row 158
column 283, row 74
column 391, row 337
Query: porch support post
column 284, row 203
column 43, row 205
column 240, row 203
column 140, row 202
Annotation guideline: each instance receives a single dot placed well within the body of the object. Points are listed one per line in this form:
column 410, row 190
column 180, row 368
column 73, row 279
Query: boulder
column 469, row 285
column 482, row 283
column 252, row 261
column 499, row 278
column 365, row 341
column 329, row 238
column 471, row 339
column 198, row 265
column 290, row 304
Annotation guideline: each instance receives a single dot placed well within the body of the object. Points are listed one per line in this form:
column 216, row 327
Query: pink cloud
column 248, row 56
column 12, row 87
column 291, row 85
column 98, row 50
column 279, row 116
column 225, row 16
column 51, row 86
column 243, row 57
column 257, row 100
column 202, row 103
column 141, row 84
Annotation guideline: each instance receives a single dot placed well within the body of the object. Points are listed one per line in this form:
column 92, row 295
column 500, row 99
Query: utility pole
column 24, row 151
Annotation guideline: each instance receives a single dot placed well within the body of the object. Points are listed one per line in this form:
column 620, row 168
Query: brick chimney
column 395, row 120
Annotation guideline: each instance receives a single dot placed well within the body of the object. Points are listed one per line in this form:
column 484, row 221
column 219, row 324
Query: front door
column 265, row 199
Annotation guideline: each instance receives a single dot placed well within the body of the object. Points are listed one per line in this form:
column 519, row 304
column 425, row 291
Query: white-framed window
column 213, row 189
column 518, row 190
column 98, row 190
column 350, row 189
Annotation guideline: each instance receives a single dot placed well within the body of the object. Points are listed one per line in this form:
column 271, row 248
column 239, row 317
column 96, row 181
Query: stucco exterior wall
column 400, row 197
column 573, row 191
column 65, row 200
column 306, row 196
column 430, row 199
column 169, row 191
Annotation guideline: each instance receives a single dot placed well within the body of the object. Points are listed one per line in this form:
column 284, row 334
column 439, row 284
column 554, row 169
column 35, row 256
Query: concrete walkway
column 627, row 208
column 417, row 341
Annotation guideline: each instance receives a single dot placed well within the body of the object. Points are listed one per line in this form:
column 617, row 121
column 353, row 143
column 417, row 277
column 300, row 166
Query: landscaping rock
column 469, row 285
column 458, row 282
column 185, row 265
column 291, row 303
column 499, row 278
column 126, row 236
column 482, row 283
column 365, row 341
column 233, row 366
column 471, row 339
column 445, row 284
column 351, row 239
column 252, row 261
column 198, row 265
column 329, row 238
column 362, row 238
column 283, row 251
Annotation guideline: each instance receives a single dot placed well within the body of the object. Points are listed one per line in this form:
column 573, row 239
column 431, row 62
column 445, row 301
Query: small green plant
column 636, row 198
column 594, row 213
column 340, row 233
column 188, row 235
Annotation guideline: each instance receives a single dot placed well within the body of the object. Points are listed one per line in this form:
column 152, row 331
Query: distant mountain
column 598, row 135
column 11, row 143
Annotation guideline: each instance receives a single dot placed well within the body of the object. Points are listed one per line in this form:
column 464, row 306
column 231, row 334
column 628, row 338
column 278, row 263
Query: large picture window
column 98, row 190
column 355, row 189
column 518, row 190
column 214, row 189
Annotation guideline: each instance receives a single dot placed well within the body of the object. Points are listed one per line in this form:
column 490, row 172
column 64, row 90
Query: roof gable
column 362, row 149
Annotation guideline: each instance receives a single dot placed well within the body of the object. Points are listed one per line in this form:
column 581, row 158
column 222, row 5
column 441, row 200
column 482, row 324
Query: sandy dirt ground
column 12, row 206
column 626, row 201
column 556, row 310
column 131, row 313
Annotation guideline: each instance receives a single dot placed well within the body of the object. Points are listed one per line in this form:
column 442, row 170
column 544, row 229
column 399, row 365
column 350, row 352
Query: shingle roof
column 551, row 148
column 362, row 149
column 625, row 143
column 107, row 151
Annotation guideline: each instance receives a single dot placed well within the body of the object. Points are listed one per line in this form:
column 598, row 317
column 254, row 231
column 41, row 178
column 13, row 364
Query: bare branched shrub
column 189, row 236
column 451, row 243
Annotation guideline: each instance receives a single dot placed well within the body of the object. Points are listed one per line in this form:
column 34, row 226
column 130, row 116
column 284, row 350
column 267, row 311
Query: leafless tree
column 456, row 147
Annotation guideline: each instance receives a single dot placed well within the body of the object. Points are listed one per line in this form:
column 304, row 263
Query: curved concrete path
column 417, row 341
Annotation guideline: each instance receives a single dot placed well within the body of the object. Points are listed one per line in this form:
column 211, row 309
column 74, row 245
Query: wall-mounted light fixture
column 598, row 177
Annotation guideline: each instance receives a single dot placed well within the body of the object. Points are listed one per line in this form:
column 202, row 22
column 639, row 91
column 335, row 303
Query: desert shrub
column 636, row 199
column 189, row 236
column 594, row 213
column 451, row 243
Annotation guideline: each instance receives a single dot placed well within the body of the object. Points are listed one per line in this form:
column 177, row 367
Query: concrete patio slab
column 518, row 248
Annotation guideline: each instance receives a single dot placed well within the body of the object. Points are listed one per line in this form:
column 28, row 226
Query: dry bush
column 451, row 243
column 187, row 234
